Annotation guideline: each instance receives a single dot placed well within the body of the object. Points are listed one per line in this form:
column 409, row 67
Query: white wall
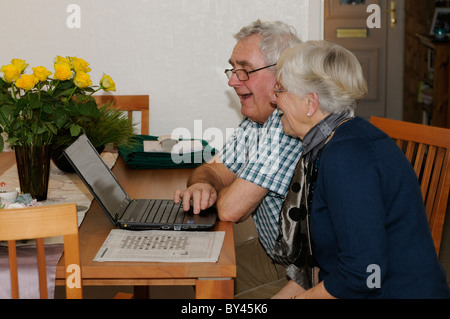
column 173, row 50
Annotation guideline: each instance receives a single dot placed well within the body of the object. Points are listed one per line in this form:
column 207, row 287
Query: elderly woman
column 354, row 201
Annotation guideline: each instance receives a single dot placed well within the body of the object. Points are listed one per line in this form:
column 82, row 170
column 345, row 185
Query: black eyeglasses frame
column 243, row 71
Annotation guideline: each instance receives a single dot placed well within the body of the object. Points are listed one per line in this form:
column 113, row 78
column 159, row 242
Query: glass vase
column 33, row 167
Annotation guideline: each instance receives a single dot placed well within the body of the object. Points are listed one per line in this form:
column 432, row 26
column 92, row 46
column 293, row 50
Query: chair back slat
column 129, row 103
column 421, row 148
column 428, row 150
column 410, row 151
column 427, row 171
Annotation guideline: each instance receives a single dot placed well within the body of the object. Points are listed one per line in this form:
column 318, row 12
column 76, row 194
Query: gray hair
column 276, row 37
column 327, row 69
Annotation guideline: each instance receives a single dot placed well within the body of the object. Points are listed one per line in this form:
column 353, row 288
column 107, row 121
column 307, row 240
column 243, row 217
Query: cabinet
column 439, row 59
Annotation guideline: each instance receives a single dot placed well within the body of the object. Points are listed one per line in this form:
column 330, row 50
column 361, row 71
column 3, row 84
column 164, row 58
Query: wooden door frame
column 395, row 52
column 316, row 19
column 395, row 63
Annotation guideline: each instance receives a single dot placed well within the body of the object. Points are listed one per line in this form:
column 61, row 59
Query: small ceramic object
column 8, row 196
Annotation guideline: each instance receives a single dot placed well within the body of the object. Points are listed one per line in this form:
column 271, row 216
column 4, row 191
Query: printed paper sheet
column 161, row 246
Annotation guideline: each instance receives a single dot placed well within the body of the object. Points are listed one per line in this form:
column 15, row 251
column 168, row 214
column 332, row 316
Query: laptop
column 126, row 213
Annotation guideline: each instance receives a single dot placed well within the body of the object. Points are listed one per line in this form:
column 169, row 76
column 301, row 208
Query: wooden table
column 212, row 280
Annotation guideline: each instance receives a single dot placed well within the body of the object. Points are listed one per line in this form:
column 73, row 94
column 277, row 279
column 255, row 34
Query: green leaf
column 66, row 84
column 34, row 101
column 95, row 111
column 41, row 130
column 38, row 129
column 52, row 128
column 47, row 108
column 61, row 117
column 21, row 104
column 6, row 112
column 12, row 140
column 85, row 109
column 89, row 89
column 64, row 93
column 75, row 130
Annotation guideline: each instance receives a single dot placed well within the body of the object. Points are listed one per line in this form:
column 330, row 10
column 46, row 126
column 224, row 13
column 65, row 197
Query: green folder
column 136, row 158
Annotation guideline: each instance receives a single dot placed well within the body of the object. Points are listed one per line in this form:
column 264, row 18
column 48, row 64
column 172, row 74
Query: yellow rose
column 82, row 80
column 107, row 83
column 79, row 65
column 60, row 59
column 20, row 64
column 41, row 73
column 62, row 71
column 11, row 73
column 27, row 81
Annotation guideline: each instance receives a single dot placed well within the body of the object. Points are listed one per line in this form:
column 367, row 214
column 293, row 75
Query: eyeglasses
column 243, row 75
column 278, row 89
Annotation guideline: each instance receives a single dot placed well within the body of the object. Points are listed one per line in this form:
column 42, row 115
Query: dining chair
column 428, row 150
column 129, row 103
column 39, row 223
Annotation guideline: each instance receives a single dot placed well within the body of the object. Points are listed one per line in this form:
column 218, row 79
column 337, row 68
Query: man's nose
column 234, row 81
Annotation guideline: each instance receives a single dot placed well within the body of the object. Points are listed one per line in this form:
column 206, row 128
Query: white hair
column 276, row 36
column 324, row 68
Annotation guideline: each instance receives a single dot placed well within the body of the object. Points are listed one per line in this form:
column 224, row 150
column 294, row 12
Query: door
column 379, row 49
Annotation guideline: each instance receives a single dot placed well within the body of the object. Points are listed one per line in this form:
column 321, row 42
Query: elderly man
column 251, row 175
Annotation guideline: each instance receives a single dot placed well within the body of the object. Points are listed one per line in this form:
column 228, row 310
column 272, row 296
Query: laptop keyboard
column 159, row 211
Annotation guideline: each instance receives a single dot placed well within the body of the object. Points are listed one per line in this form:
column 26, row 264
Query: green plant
column 110, row 126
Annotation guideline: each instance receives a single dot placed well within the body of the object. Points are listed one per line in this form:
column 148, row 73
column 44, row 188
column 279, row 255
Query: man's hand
column 200, row 196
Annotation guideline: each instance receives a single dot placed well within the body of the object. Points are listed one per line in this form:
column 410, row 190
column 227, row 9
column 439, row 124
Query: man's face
column 255, row 93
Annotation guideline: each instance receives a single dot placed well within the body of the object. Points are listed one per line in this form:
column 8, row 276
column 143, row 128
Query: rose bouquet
column 35, row 107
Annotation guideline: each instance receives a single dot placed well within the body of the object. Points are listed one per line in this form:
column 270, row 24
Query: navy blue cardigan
column 369, row 230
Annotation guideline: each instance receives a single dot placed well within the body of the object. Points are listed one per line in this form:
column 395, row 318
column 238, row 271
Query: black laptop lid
column 98, row 177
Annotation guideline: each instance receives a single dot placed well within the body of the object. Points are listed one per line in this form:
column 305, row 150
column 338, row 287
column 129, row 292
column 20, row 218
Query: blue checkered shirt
column 265, row 156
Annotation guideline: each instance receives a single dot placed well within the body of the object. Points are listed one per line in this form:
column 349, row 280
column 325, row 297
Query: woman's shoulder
column 356, row 136
column 359, row 127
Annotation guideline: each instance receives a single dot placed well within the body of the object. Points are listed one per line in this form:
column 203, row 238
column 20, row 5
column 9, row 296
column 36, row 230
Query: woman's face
column 294, row 112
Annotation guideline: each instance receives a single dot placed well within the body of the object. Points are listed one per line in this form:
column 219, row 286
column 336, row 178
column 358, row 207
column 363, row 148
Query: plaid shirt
column 265, row 156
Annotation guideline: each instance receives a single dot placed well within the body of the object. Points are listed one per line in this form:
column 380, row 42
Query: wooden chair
column 39, row 223
column 428, row 150
column 129, row 103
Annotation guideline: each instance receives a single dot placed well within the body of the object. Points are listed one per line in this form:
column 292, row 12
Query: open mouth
column 246, row 96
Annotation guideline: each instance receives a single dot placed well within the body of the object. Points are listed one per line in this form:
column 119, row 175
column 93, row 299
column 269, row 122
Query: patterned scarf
column 293, row 245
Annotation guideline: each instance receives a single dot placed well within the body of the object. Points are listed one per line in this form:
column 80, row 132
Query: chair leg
column 13, row 269
column 42, row 268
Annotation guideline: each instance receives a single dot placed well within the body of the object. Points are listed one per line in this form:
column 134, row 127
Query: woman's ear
column 313, row 103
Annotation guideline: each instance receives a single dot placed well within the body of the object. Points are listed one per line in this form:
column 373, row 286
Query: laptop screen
column 96, row 175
